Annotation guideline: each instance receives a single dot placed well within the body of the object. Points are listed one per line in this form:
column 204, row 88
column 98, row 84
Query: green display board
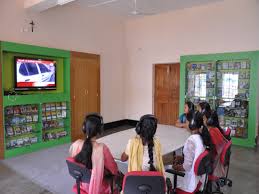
column 228, row 82
column 35, row 120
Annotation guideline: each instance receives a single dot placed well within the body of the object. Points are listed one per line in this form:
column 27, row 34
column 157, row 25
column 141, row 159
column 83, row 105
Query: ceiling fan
column 134, row 12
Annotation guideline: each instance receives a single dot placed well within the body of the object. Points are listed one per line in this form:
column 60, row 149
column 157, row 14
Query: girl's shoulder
column 156, row 140
column 79, row 141
column 194, row 137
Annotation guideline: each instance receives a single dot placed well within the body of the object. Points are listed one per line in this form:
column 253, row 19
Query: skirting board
column 119, row 123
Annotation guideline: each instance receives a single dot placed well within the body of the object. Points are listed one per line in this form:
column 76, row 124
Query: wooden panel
column 1, row 119
column 85, row 85
column 79, row 103
column 93, row 93
column 166, row 101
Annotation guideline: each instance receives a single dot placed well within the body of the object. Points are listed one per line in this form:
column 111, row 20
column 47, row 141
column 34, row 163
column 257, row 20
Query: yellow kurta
column 136, row 155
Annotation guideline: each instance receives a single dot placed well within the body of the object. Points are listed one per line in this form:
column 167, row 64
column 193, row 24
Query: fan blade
column 146, row 13
column 141, row 13
column 102, row 3
column 136, row 12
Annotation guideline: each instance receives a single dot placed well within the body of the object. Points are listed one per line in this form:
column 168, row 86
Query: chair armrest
column 178, row 173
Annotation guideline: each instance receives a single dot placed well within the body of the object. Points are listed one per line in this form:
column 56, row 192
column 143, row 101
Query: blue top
column 182, row 118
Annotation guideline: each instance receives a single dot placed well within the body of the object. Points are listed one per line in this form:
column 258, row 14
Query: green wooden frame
column 38, row 97
column 253, row 56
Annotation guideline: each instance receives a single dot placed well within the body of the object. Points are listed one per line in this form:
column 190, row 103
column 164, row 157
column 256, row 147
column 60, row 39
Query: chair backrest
column 225, row 154
column 203, row 164
column 78, row 171
column 148, row 182
column 227, row 132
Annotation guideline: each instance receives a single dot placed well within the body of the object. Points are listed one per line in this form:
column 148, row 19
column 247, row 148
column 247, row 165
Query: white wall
column 126, row 75
column 74, row 28
column 226, row 26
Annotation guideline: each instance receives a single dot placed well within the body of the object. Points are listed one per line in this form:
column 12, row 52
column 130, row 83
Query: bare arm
column 125, row 154
column 124, row 157
column 181, row 125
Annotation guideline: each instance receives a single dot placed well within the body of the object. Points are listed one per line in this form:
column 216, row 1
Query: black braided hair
column 191, row 108
column 214, row 122
column 205, row 135
column 205, row 109
column 148, row 128
column 92, row 126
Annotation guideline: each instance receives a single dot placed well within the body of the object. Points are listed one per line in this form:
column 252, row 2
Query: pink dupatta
column 101, row 157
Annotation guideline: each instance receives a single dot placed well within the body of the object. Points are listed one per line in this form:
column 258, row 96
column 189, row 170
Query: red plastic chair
column 225, row 161
column 149, row 182
column 202, row 166
column 81, row 174
column 78, row 172
column 227, row 133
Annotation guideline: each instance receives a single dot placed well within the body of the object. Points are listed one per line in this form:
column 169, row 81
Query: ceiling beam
column 42, row 5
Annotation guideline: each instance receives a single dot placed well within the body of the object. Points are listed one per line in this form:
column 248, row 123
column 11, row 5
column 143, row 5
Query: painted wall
column 226, row 26
column 213, row 28
column 74, row 28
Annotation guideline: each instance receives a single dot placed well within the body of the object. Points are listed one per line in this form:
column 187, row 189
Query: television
column 34, row 74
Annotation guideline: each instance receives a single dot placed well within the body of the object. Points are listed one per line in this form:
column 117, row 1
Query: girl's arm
column 189, row 154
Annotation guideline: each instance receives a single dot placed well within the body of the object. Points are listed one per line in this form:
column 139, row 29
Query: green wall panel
column 61, row 94
column 253, row 57
column 36, row 147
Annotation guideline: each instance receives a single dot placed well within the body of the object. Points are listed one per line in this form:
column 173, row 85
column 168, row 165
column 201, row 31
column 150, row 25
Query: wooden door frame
column 154, row 82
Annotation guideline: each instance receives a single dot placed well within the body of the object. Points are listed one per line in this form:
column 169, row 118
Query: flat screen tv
column 34, row 74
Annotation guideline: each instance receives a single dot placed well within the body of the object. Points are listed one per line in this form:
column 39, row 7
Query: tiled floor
column 44, row 171
column 20, row 175
column 13, row 183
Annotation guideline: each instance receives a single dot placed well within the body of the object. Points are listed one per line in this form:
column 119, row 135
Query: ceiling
column 125, row 7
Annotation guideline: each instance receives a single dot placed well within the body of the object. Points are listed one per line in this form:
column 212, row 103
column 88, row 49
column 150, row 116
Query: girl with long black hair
column 194, row 146
column 211, row 117
column 95, row 156
column 184, row 118
column 144, row 150
column 219, row 141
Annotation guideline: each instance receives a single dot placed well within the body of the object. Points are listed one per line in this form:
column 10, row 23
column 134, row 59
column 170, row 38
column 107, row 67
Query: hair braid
column 150, row 154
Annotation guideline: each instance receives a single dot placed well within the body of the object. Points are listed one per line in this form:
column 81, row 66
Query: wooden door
column 167, row 90
column 85, row 89
column 93, row 91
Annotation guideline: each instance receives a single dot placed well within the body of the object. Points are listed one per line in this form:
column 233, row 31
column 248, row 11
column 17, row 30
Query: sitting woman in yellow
column 143, row 152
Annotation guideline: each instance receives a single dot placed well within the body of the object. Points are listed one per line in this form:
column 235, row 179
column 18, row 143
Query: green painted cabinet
column 33, row 120
column 228, row 82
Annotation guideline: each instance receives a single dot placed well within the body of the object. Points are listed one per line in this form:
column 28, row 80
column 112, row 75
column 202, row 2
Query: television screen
column 34, row 74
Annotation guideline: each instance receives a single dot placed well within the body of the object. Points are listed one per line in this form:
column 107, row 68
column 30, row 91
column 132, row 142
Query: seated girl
column 95, row 156
column 219, row 141
column 144, row 151
column 182, row 121
column 204, row 108
column 194, row 146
